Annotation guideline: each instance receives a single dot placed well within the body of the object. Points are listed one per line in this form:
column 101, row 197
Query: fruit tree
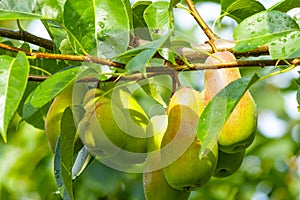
column 150, row 99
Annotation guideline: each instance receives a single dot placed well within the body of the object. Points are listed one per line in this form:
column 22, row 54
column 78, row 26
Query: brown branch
column 154, row 71
column 27, row 37
column 83, row 58
column 240, row 64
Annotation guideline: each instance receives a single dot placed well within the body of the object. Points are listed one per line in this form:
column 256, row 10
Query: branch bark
column 27, row 37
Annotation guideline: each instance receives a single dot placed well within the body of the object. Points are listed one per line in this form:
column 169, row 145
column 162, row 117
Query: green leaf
column 140, row 27
column 144, row 54
column 150, row 87
column 100, row 27
column 67, row 144
column 219, row 109
column 38, row 119
column 157, row 18
column 31, row 10
column 286, row 47
column 262, row 28
column 83, row 159
column 56, row 32
column 298, row 92
column 285, row 5
column 58, row 171
column 13, row 81
column 49, row 89
column 298, row 96
column 173, row 3
column 240, row 9
column 11, row 15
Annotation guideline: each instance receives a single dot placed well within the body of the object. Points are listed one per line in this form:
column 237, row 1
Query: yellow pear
column 185, row 170
column 239, row 130
column 155, row 184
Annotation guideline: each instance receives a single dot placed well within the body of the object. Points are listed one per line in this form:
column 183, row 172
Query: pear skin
column 99, row 131
column 185, row 170
column 228, row 163
column 110, row 125
column 54, row 115
column 155, row 184
column 239, row 130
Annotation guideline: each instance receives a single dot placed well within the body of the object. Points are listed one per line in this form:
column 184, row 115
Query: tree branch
column 83, row 58
column 155, row 71
column 208, row 32
column 27, row 37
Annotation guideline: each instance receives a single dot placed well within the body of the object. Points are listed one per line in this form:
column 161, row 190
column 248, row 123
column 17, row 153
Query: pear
column 228, row 163
column 239, row 130
column 155, row 184
column 114, row 126
column 185, row 170
column 54, row 115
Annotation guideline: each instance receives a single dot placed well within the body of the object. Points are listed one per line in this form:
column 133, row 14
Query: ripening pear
column 185, row 170
column 228, row 163
column 114, row 124
column 54, row 115
column 155, row 184
column 239, row 130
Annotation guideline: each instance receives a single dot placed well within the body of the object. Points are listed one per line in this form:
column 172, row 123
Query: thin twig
column 83, row 58
column 240, row 64
column 155, row 71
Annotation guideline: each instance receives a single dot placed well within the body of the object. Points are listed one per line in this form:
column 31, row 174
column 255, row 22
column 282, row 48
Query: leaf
column 58, row 173
column 49, row 89
column 151, row 89
column 38, row 119
column 100, row 27
column 146, row 52
column 13, row 81
column 67, row 143
column 298, row 98
column 219, row 109
column 240, row 9
column 156, row 17
column 31, row 10
column 56, row 32
column 295, row 14
column 286, row 47
column 262, row 28
column 140, row 27
column 168, row 54
column 285, row 5
column 83, row 159
column 298, row 92
column 173, row 3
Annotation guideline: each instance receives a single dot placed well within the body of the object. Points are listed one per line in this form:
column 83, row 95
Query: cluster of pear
column 178, row 177
column 114, row 124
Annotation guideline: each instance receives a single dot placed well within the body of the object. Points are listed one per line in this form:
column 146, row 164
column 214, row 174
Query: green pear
column 185, row 170
column 54, row 115
column 239, row 130
column 155, row 184
column 228, row 163
column 114, row 125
